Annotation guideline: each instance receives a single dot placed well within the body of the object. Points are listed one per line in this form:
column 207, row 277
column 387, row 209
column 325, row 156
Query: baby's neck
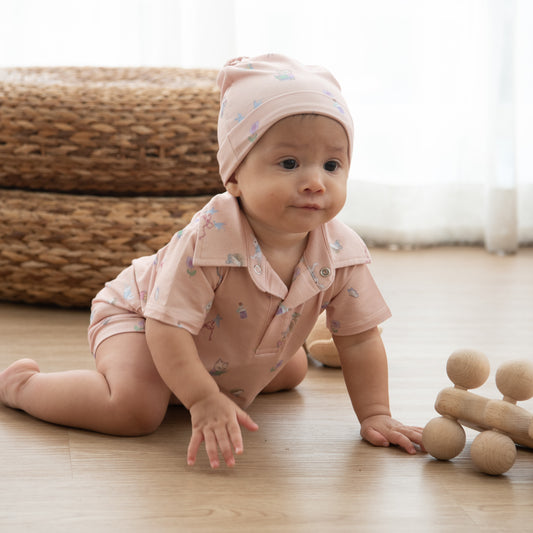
column 283, row 259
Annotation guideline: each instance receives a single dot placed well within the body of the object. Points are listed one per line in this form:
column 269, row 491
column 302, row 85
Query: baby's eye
column 331, row 166
column 289, row 164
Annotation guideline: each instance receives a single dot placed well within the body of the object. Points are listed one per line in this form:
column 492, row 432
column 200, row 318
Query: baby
column 220, row 313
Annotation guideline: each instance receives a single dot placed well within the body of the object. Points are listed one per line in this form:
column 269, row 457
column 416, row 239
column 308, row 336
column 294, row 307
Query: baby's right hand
column 216, row 420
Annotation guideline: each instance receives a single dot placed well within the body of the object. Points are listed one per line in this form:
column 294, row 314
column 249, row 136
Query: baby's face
column 294, row 179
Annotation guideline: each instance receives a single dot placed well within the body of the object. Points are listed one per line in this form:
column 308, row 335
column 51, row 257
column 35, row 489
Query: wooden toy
column 501, row 422
column 320, row 346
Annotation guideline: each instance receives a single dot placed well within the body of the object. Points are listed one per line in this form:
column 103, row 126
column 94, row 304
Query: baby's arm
column 215, row 418
column 364, row 365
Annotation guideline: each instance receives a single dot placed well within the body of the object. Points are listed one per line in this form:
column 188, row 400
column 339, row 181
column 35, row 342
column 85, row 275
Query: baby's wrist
column 374, row 412
column 201, row 395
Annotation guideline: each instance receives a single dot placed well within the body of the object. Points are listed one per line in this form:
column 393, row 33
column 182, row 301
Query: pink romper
column 213, row 280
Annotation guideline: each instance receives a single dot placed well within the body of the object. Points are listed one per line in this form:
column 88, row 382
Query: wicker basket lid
column 109, row 131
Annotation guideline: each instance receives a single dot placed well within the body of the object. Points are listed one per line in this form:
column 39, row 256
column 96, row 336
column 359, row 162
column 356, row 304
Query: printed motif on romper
column 353, row 293
column 234, row 259
column 140, row 325
column 127, row 293
column 282, row 309
column 190, row 266
column 242, row 311
column 284, row 75
column 207, row 223
column 219, row 368
column 336, row 246
column 334, row 326
column 294, row 319
column 210, row 326
column 276, row 366
column 258, row 254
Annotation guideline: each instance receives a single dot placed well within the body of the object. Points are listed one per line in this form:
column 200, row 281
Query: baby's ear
column 233, row 187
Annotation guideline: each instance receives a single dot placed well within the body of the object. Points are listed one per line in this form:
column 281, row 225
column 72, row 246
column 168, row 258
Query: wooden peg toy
column 502, row 423
column 320, row 346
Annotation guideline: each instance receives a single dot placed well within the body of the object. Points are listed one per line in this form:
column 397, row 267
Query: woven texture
column 61, row 248
column 98, row 166
column 109, row 131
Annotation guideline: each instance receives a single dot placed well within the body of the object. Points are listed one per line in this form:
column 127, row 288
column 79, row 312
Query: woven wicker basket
column 61, row 248
column 98, row 166
column 109, row 131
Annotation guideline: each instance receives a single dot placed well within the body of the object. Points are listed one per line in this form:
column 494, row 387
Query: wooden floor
column 306, row 469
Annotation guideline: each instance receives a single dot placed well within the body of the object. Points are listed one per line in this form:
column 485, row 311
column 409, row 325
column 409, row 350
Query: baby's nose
column 313, row 181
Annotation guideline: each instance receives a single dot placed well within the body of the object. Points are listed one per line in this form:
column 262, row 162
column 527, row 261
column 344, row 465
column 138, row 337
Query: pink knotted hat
column 257, row 92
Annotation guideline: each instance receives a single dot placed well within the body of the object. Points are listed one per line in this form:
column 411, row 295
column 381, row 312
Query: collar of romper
column 225, row 239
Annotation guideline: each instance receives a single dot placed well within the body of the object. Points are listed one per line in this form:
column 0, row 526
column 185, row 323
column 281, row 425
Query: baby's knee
column 146, row 421
column 138, row 415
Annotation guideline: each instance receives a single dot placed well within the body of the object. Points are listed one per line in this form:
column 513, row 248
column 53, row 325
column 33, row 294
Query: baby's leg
column 291, row 375
column 124, row 395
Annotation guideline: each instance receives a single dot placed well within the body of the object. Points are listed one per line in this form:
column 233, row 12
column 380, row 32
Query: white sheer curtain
column 441, row 92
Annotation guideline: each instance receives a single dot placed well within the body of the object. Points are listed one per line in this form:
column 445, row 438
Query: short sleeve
column 182, row 293
column 357, row 304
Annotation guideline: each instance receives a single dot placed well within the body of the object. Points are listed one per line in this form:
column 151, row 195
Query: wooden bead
column 467, row 368
column 443, row 438
column 514, row 380
column 493, row 453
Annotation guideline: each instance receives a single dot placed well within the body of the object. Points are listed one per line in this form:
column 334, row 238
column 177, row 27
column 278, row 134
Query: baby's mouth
column 310, row 207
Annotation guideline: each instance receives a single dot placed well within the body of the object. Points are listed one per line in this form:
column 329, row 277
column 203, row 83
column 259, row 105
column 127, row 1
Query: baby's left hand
column 382, row 430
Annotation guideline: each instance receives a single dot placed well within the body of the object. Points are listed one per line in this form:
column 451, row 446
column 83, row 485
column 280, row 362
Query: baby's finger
column 211, row 448
column 245, row 420
column 225, row 446
column 194, row 444
column 404, row 442
column 235, row 436
column 415, row 435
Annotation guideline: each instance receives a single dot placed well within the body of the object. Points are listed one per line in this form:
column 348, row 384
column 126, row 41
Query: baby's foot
column 13, row 378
